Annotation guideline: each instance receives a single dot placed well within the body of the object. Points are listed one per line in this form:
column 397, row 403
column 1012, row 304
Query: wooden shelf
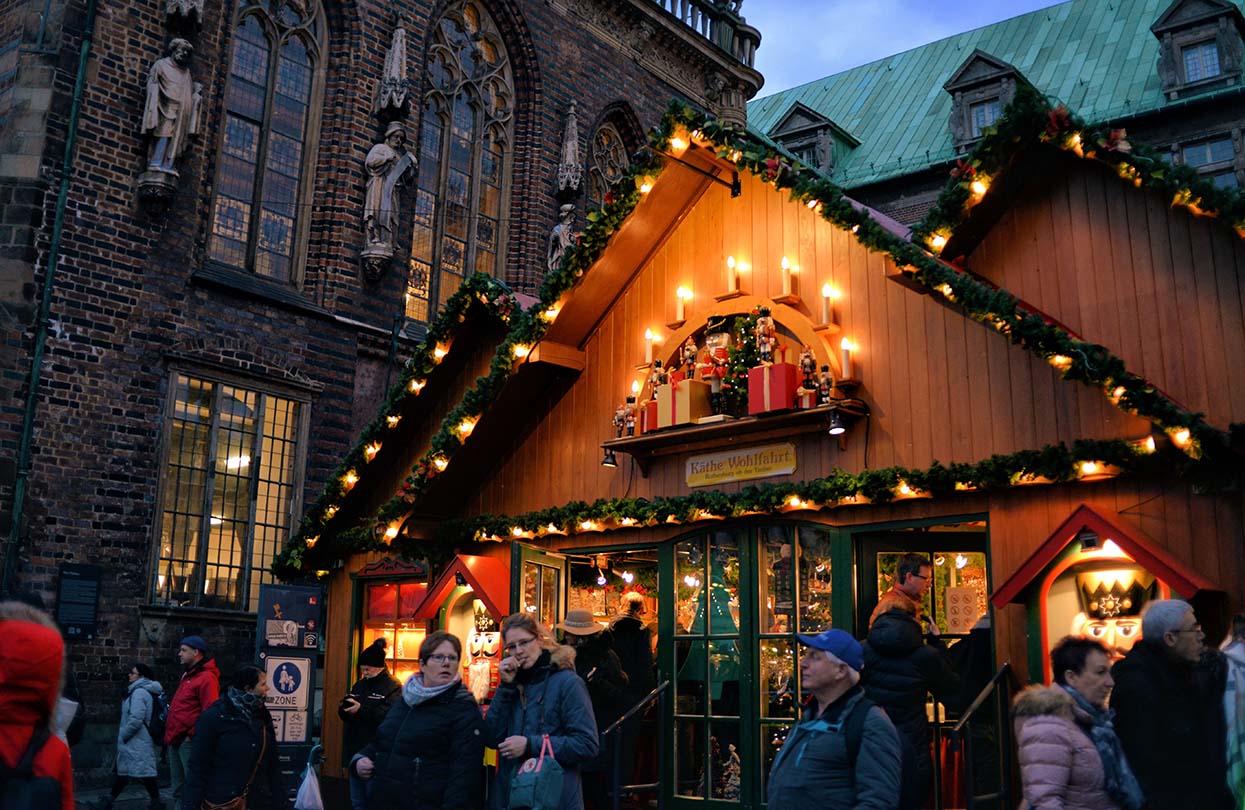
column 749, row 429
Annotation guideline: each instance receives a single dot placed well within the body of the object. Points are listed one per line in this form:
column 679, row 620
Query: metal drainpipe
column 45, row 307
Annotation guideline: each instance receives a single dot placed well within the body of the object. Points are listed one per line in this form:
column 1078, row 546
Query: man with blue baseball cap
column 844, row 752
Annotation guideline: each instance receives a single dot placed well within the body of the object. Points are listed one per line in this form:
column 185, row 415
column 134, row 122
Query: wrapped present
column 805, row 399
column 772, row 388
column 648, row 414
column 682, row 403
column 677, row 377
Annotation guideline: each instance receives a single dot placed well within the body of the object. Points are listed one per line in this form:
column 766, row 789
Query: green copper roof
column 1096, row 56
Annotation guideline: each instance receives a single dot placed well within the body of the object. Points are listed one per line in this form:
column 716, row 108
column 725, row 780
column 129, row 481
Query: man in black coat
column 598, row 665
column 1168, row 702
column 363, row 709
column 900, row 669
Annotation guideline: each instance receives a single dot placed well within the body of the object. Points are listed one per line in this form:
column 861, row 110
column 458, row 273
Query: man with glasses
column 913, row 575
column 1168, row 700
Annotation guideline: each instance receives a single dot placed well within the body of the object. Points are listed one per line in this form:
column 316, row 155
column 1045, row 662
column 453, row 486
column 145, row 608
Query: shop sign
column 742, row 464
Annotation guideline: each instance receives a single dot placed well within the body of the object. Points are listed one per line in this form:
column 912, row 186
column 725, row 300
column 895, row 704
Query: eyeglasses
column 1197, row 628
column 919, row 576
column 442, row 659
column 510, row 648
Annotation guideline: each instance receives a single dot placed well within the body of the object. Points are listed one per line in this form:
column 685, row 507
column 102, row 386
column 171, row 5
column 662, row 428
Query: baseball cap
column 838, row 643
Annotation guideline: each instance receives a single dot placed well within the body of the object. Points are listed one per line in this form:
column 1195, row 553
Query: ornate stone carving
column 561, row 237
column 824, row 151
column 392, row 88
column 190, row 10
column 170, row 118
column 571, row 168
column 388, row 163
column 609, row 160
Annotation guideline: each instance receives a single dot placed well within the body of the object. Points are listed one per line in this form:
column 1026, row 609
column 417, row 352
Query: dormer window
column 814, row 139
column 983, row 114
column 1201, row 44
column 1201, row 61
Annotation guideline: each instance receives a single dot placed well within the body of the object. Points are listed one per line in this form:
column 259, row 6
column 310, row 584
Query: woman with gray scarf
column 1070, row 756
column 429, row 750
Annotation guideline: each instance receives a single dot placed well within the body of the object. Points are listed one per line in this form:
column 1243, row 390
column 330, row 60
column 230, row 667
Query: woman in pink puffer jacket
column 1059, row 766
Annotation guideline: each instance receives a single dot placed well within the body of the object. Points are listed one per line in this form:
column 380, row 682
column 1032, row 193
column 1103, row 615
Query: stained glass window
column 464, row 153
column 263, row 167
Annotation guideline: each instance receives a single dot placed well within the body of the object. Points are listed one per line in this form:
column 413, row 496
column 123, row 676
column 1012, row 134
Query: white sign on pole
column 288, row 679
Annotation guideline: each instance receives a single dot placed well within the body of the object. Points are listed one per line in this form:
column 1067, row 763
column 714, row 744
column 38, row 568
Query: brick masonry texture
column 129, row 297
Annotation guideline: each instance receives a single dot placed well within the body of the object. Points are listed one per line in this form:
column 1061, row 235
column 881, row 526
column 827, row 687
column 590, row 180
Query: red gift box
column 805, row 400
column 677, row 377
column 682, row 403
column 648, row 415
column 772, row 388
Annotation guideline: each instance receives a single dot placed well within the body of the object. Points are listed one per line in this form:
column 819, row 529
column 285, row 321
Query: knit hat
column 838, row 643
column 374, row 655
column 195, row 643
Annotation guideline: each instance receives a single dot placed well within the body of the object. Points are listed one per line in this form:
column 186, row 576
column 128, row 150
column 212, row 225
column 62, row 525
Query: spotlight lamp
column 837, row 428
column 609, row 459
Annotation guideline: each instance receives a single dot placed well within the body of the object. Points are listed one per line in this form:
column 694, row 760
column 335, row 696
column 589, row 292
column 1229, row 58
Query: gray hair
column 1162, row 616
column 853, row 676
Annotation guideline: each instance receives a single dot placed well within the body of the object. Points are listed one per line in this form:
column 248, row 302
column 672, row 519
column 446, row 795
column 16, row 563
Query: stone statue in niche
column 562, row 237
column 170, row 117
column 388, row 163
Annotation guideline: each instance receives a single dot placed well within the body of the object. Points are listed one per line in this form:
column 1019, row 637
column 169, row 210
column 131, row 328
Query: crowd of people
column 1161, row 729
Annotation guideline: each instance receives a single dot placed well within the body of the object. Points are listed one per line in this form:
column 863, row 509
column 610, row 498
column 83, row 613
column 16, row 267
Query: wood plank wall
column 1161, row 287
column 940, row 386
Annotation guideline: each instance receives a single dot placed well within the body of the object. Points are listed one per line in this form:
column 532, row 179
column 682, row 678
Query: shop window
column 388, row 608
column 230, row 480
column 464, row 159
column 268, row 143
column 1201, row 61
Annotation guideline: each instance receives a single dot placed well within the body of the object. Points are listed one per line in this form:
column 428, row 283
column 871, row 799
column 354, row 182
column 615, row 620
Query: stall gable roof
column 489, row 580
column 1108, row 526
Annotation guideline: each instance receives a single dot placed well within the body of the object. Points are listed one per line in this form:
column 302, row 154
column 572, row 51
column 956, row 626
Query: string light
column 521, row 350
column 938, row 241
column 1061, row 361
column 440, row 352
column 350, row 479
column 392, row 421
column 391, row 532
column 980, row 186
column 370, row 451
column 1090, row 468
column 551, row 313
column 416, row 386
column 440, row 462
column 466, row 426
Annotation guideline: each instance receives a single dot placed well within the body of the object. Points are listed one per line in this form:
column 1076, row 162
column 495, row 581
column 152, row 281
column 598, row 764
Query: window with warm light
column 231, row 473
column 268, row 139
column 464, row 158
column 1201, row 61
column 387, row 611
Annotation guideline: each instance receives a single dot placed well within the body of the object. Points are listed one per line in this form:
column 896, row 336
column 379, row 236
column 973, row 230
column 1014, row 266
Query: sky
column 803, row 40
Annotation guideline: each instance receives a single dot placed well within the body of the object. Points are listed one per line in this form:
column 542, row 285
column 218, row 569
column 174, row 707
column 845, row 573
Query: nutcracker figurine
column 825, row 386
column 808, row 365
column 620, row 421
column 714, row 366
column 766, row 337
column 656, row 377
column 629, row 416
column 689, row 359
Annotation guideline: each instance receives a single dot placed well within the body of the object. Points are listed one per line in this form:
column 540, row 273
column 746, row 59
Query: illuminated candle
column 827, row 293
column 786, row 276
column 732, row 278
column 681, row 297
column 648, row 346
column 635, row 387
column 846, row 346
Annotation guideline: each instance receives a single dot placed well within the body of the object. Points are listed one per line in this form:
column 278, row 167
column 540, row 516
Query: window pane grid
column 241, row 446
column 1201, row 61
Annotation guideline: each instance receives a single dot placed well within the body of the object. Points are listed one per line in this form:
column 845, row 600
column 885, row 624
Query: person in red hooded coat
column 31, row 663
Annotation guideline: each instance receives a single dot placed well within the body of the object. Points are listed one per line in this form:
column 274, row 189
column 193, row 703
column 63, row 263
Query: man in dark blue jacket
column 819, row 766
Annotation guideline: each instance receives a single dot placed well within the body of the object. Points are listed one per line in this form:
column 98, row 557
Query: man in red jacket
column 31, row 657
column 198, row 689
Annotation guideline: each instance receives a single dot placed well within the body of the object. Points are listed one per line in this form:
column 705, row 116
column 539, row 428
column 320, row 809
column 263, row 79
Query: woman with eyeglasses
column 429, row 750
column 539, row 694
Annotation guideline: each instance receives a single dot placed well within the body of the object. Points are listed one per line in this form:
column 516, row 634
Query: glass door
column 541, row 579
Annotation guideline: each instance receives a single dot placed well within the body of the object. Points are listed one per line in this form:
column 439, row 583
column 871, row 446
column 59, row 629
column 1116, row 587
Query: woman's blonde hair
column 523, row 621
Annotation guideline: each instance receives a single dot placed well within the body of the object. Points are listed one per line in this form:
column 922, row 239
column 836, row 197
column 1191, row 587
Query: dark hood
column 895, row 634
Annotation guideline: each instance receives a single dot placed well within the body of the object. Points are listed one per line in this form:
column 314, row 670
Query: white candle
column 827, row 292
column 681, row 297
column 786, row 276
column 732, row 278
column 846, row 346
column 648, row 346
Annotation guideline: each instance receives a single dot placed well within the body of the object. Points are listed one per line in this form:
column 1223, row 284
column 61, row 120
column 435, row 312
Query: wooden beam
column 559, row 354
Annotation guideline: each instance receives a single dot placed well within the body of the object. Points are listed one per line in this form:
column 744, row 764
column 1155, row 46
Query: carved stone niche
column 982, row 81
column 812, row 137
column 1208, row 30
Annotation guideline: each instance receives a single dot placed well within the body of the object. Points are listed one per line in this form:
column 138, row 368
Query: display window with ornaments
column 388, row 611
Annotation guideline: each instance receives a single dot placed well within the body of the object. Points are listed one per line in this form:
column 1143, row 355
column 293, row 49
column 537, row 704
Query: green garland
column 1207, row 450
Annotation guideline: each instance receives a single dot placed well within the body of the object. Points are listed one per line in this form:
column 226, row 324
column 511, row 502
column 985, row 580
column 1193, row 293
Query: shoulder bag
column 239, row 802
column 537, row 785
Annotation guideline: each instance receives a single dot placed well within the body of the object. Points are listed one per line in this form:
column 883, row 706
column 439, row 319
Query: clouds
column 804, row 40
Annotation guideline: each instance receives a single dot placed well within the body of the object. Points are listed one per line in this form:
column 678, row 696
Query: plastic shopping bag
column 308, row 797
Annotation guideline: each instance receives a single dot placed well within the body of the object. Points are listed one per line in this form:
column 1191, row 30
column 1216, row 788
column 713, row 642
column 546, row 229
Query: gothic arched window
column 609, row 160
column 464, row 158
column 268, row 139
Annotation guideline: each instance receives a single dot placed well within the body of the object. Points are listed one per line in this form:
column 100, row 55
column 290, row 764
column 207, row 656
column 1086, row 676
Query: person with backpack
column 35, row 772
column 137, row 751
column 198, row 688
column 843, row 751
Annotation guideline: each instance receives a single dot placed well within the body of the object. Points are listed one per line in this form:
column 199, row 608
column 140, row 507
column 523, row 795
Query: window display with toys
column 387, row 611
column 482, row 655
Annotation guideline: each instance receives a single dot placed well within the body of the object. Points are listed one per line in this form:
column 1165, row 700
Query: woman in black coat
column 234, row 749
column 429, row 751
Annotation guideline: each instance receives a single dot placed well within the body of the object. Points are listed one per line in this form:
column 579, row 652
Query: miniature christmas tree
column 743, row 355
column 730, row 775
